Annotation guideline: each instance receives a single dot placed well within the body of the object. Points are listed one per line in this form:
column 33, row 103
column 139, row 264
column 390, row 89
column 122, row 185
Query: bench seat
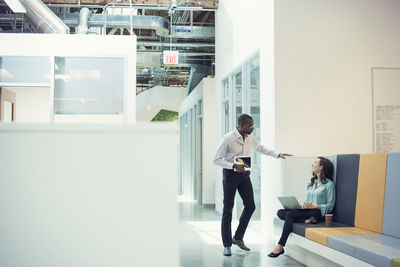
column 376, row 249
column 321, row 235
column 366, row 211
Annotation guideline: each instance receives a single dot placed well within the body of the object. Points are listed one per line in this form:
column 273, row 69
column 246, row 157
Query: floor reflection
column 200, row 242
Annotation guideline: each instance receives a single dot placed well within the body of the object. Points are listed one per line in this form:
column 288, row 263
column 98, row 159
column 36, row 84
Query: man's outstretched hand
column 284, row 155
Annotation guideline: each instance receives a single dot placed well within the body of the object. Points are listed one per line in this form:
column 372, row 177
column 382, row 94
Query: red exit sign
column 171, row 57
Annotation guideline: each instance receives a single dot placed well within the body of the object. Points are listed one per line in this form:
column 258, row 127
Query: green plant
column 166, row 115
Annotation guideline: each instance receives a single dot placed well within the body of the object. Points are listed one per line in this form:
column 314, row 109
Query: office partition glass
column 181, row 149
column 238, row 109
column 88, row 85
column 199, row 152
column 25, row 69
column 193, row 185
column 191, row 153
column 225, row 106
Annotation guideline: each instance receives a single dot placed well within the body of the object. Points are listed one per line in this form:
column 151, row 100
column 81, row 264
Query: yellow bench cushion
column 371, row 192
column 320, row 235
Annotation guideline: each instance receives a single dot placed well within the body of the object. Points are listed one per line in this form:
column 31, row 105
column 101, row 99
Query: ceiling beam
column 211, row 4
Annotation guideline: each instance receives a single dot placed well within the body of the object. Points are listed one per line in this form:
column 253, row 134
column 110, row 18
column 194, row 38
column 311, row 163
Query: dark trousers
column 292, row 216
column 233, row 181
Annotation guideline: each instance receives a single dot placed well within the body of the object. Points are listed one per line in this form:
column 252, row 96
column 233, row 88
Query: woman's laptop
column 289, row 202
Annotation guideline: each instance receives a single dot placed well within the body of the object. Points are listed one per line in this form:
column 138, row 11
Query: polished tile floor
column 200, row 242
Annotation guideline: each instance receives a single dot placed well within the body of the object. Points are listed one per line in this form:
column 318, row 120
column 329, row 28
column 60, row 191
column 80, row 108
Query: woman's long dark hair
column 326, row 173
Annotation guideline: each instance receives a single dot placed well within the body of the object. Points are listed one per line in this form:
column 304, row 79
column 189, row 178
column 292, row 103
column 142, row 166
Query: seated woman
column 320, row 201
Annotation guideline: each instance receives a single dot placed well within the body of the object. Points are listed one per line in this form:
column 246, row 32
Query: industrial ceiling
column 160, row 25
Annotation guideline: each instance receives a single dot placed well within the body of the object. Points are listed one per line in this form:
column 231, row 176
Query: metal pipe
column 133, row 5
column 74, row 5
column 83, row 21
column 175, row 44
column 181, row 54
column 161, row 7
column 43, row 18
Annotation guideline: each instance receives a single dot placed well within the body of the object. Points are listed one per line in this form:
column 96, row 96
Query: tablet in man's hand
column 243, row 160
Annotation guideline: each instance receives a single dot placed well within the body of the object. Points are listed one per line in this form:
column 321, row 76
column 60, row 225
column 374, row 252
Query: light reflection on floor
column 209, row 232
column 200, row 242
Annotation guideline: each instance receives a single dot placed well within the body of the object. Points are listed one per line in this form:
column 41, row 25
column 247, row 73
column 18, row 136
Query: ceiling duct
column 83, row 21
column 159, row 24
column 42, row 18
column 193, row 32
column 164, row 44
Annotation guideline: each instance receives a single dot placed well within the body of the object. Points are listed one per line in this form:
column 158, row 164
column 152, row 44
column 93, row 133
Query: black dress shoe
column 273, row 255
column 240, row 244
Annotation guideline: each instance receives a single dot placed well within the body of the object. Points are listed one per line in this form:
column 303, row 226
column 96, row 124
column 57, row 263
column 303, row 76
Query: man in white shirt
column 238, row 142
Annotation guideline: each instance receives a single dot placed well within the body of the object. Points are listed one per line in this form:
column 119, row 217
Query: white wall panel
column 88, row 195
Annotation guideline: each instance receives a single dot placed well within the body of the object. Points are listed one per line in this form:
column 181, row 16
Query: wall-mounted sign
column 386, row 108
column 182, row 29
column 171, row 57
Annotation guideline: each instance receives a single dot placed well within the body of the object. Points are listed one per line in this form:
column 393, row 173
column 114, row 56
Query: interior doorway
column 7, row 105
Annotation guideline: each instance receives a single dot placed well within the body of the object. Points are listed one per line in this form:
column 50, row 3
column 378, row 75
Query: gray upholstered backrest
column 346, row 188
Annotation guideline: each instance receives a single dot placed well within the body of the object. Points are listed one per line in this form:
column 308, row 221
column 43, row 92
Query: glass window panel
column 193, row 154
column 254, row 69
column 186, row 157
column 182, row 156
column 85, row 85
column 226, row 89
column 238, row 95
column 255, row 95
column 15, row 69
column 200, row 107
column 226, row 116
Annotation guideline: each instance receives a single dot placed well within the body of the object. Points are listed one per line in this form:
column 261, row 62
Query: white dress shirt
column 233, row 145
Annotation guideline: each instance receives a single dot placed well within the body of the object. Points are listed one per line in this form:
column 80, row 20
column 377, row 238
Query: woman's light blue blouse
column 323, row 195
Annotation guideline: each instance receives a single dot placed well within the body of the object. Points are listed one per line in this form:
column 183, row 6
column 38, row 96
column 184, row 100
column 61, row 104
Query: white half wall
column 150, row 102
column 32, row 104
column 88, row 195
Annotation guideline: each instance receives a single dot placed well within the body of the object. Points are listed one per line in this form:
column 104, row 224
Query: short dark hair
column 243, row 118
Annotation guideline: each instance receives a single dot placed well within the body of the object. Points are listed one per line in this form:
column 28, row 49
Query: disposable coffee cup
column 328, row 219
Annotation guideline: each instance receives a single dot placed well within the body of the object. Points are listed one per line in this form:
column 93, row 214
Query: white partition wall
column 88, row 195
column 197, row 120
column 87, row 78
